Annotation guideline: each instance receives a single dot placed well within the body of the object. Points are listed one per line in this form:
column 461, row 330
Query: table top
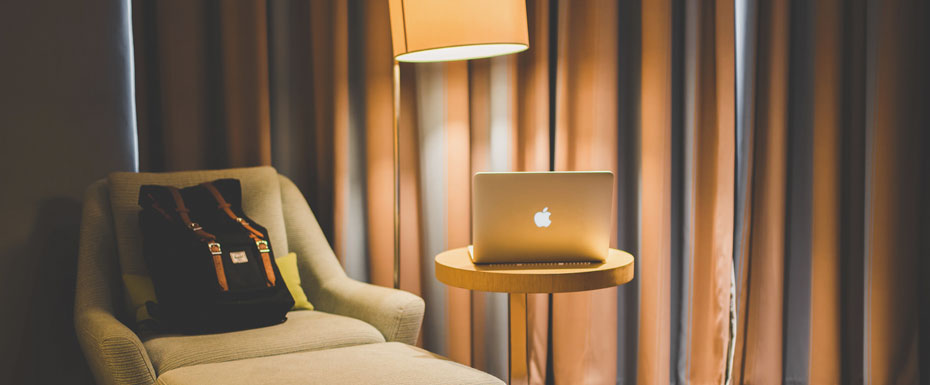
column 455, row 268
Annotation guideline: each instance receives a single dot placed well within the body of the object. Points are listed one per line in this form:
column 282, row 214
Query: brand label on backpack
column 238, row 257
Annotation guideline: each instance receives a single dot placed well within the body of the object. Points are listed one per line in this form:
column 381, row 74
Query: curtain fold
column 708, row 193
column 584, row 331
column 764, row 157
column 655, row 184
column 202, row 86
column 828, row 266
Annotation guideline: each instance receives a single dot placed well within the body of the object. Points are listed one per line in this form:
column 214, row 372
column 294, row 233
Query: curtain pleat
column 369, row 179
column 378, row 144
column 629, row 163
column 584, row 331
column 202, row 98
column 411, row 204
column 895, row 123
column 457, row 177
column 655, row 214
column 430, row 82
column 244, row 60
column 302, row 102
column 485, row 310
column 758, row 357
column 826, row 311
column 708, row 201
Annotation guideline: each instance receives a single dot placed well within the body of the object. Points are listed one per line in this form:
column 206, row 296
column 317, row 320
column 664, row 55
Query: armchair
column 371, row 326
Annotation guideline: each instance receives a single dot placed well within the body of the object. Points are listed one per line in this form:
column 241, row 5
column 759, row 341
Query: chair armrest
column 114, row 352
column 397, row 314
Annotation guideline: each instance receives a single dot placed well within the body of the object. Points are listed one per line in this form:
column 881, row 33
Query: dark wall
column 66, row 119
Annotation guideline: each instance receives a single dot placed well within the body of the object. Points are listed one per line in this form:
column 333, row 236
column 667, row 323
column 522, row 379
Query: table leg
column 519, row 373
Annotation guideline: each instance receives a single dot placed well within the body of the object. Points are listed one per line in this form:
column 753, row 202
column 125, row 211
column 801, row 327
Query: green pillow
column 287, row 265
column 139, row 290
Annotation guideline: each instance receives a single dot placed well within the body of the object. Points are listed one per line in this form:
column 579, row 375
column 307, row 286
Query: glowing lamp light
column 447, row 30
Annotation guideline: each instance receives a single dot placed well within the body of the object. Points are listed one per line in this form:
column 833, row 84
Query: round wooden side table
column 455, row 268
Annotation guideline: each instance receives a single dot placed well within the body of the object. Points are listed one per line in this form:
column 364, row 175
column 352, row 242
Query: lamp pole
column 471, row 29
column 396, row 175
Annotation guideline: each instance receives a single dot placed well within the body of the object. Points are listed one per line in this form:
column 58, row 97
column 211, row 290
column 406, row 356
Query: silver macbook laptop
column 525, row 217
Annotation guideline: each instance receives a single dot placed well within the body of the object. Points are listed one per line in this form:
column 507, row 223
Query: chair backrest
column 261, row 200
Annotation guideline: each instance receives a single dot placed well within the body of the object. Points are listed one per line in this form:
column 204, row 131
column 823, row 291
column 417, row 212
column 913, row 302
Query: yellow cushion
column 288, row 267
column 139, row 290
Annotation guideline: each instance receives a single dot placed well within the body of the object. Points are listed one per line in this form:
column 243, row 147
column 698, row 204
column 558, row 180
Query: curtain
column 828, row 262
column 201, row 84
column 762, row 154
column 686, row 146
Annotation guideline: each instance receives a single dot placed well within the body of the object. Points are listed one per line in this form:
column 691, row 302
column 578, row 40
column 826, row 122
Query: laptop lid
column 541, row 216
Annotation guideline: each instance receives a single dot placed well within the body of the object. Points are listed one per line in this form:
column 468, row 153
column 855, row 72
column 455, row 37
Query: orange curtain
column 202, row 92
column 827, row 261
column 496, row 115
column 328, row 118
column 763, row 156
column 584, row 325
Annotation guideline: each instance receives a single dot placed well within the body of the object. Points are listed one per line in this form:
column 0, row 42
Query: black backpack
column 212, row 267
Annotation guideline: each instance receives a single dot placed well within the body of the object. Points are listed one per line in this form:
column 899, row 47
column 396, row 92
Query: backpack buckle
column 195, row 226
column 214, row 248
column 262, row 246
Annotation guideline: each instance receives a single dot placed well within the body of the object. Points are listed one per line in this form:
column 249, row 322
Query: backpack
column 212, row 267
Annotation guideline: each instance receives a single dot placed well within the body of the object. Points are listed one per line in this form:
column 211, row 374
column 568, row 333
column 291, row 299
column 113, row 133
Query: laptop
column 532, row 217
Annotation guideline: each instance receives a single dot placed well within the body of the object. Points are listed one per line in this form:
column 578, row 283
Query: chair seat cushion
column 303, row 331
column 384, row 363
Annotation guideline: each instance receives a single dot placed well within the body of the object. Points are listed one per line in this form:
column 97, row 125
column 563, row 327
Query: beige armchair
column 359, row 333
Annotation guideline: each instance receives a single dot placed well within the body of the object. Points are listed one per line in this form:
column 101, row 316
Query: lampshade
column 445, row 30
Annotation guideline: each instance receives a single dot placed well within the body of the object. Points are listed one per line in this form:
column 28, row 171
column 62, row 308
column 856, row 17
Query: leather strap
column 260, row 243
column 217, row 254
column 184, row 214
column 209, row 239
column 157, row 207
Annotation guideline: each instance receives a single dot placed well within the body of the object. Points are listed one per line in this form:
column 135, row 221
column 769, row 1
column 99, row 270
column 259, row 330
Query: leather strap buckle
column 215, row 248
column 262, row 246
column 195, row 226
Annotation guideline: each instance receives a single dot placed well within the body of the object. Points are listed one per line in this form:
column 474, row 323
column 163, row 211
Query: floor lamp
column 437, row 31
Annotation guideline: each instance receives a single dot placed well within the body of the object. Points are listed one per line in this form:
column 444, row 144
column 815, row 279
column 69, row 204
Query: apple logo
column 542, row 218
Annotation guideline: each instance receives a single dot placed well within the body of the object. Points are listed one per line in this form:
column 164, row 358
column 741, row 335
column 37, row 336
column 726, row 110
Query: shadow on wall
column 39, row 343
